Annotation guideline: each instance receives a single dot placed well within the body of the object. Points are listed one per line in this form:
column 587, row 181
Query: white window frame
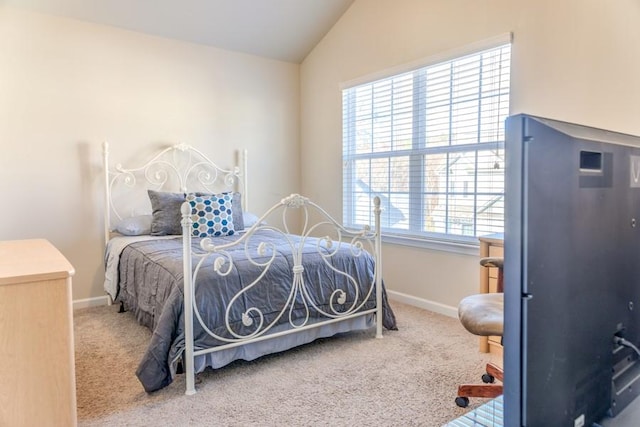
column 439, row 241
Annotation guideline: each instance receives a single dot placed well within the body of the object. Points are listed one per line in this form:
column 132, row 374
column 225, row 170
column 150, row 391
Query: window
column 429, row 143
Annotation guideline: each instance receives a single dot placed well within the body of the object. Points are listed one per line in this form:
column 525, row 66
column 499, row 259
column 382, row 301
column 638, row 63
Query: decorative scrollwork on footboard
column 346, row 295
column 261, row 246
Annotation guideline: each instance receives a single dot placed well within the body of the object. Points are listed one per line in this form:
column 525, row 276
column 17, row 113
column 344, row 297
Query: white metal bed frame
column 171, row 161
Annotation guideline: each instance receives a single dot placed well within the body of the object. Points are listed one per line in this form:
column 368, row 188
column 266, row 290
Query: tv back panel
column 572, row 272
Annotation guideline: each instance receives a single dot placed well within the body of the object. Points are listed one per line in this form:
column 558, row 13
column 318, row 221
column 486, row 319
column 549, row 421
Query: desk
column 491, row 245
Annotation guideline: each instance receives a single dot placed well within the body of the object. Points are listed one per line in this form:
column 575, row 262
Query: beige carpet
column 408, row 378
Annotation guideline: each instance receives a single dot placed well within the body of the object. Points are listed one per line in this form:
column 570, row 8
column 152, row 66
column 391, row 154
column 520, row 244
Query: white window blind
column 430, row 144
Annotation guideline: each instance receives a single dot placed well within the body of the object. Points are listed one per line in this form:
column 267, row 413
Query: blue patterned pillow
column 212, row 214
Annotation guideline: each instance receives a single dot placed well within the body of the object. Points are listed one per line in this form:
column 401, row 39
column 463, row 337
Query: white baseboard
column 90, row 302
column 436, row 307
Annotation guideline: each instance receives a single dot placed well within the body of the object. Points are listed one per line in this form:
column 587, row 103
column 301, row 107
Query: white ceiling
column 285, row 30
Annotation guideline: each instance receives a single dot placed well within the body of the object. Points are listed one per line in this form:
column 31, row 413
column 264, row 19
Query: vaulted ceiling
column 285, row 30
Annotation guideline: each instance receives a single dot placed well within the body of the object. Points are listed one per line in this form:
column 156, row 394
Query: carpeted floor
column 408, row 378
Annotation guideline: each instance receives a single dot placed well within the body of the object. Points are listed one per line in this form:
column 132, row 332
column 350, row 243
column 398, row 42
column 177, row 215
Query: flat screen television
column 572, row 273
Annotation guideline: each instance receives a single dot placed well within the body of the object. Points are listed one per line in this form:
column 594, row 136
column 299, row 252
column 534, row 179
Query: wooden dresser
column 37, row 371
column 491, row 245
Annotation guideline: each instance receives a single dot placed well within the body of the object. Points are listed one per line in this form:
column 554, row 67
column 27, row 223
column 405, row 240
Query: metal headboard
column 178, row 168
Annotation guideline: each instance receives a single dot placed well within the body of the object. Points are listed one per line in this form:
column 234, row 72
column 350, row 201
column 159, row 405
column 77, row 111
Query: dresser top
column 31, row 260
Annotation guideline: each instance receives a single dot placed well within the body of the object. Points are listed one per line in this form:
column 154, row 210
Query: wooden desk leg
column 484, row 288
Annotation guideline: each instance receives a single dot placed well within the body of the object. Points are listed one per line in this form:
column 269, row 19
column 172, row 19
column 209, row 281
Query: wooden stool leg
column 484, row 390
column 495, row 371
column 479, row 390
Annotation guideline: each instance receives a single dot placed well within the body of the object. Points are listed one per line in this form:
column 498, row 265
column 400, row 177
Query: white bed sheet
column 114, row 249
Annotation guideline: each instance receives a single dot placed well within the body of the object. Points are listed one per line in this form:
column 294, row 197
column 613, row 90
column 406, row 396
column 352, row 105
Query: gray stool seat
column 497, row 262
column 483, row 314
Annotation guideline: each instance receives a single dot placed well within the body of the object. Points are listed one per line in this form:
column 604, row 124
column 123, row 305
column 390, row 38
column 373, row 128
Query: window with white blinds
column 430, row 144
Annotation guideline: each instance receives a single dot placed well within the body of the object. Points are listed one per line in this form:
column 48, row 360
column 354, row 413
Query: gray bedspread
column 151, row 286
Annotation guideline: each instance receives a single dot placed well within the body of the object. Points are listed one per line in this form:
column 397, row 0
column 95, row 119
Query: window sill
column 461, row 248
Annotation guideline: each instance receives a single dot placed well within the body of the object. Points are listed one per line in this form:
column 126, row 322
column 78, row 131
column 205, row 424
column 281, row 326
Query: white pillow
column 135, row 225
column 249, row 219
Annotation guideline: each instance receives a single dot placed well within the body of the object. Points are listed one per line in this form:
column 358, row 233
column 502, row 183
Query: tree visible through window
column 430, row 144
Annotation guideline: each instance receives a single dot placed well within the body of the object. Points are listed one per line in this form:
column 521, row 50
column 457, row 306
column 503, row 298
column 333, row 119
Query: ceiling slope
column 285, row 30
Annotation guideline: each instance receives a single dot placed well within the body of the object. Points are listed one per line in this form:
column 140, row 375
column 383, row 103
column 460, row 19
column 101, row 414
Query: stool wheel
column 488, row 379
column 462, row 401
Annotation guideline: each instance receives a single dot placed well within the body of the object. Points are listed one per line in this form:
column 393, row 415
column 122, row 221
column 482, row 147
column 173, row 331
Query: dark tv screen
column 572, row 273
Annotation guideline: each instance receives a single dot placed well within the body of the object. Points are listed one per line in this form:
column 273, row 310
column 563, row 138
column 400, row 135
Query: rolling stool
column 483, row 315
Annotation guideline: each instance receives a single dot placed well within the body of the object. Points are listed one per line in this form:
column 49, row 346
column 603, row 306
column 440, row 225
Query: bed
column 215, row 283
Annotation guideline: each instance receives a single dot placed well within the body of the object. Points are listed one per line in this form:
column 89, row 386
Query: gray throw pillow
column 165, row 211
column 236, row 206
column 166, row 216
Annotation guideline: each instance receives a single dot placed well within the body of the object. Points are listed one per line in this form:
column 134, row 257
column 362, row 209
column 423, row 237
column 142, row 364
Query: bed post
column 107, row 193
column 378, row 244
column 107, row 202
column 189, row 368
column 243, row 175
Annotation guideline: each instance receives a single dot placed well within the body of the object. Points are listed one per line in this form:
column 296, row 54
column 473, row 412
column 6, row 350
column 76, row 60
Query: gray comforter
column 151, row 286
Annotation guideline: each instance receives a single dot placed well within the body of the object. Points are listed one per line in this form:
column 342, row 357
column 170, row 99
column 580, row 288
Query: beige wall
column 574, row 60
column 67, row 86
